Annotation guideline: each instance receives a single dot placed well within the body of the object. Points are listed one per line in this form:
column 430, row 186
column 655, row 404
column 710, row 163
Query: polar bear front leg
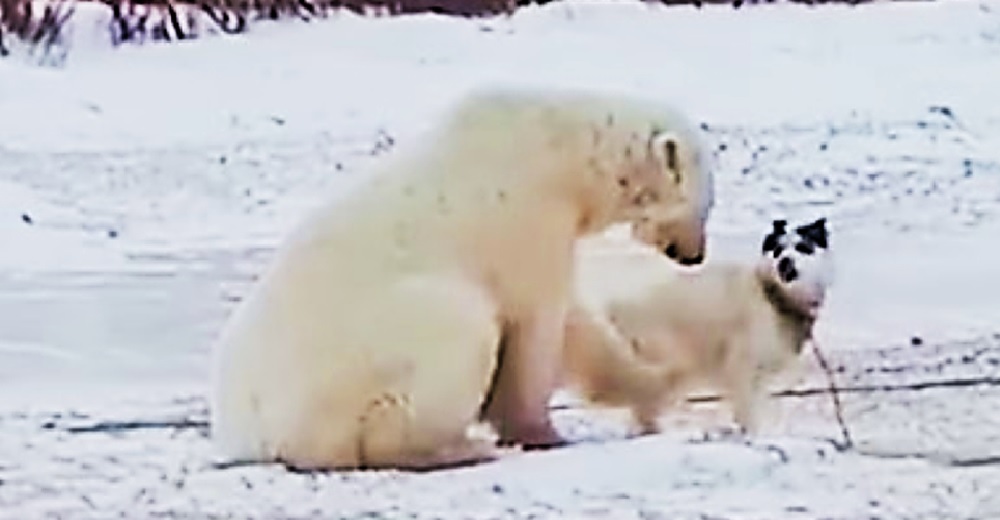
column 527, row 376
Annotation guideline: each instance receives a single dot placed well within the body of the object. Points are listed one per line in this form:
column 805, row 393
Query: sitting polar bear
column 374, row 338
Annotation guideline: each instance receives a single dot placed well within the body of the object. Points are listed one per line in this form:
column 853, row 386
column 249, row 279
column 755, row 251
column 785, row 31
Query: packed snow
column 143, row 187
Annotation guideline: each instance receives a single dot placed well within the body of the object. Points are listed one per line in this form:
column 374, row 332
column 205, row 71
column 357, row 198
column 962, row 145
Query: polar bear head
column 672, row 195
column 624, row 159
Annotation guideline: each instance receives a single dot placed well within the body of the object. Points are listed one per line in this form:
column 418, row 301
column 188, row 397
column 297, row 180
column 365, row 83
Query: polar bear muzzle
column 673, row 218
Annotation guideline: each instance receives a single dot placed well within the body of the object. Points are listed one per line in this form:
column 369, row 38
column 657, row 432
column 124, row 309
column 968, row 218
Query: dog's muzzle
column 786, row 270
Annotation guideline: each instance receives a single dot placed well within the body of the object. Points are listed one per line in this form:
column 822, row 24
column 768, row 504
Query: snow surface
column 142, row 188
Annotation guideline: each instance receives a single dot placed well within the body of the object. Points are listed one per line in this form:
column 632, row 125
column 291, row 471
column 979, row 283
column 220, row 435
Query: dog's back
column 643, row 332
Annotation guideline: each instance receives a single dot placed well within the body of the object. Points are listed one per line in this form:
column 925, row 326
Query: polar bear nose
column 692, row 260
column 671, row 252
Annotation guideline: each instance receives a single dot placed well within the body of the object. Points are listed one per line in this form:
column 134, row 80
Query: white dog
column 644, row 332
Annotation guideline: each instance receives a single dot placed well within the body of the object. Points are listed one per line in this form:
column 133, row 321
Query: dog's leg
column 742, row 383
column 647, row 416
column 747, row 398
column 649, row 408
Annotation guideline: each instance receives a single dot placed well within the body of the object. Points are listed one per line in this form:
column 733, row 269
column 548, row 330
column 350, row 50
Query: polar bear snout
column 681, row 240
column 671, row 252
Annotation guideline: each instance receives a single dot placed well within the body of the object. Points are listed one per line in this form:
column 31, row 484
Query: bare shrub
column 38, row 24
column 41, row 23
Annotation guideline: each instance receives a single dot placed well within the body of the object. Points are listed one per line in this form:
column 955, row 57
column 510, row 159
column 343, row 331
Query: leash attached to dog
column 838, row 410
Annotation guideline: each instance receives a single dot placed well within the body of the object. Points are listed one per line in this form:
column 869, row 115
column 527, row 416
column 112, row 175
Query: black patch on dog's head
column 787, row 271
column 772, row 241
column 815, row 233
column 805, row 247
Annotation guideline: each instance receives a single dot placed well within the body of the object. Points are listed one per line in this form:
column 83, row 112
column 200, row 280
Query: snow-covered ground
column 142, row 188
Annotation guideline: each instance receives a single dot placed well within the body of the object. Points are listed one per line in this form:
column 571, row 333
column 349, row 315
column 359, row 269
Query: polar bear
column 374, row 337
column 643, row 332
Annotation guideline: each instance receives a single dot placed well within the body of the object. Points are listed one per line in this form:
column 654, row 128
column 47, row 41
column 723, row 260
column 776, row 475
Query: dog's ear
column 772, row 239
column 816, row 232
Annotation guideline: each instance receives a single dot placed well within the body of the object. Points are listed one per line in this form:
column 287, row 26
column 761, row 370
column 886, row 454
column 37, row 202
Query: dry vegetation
column 40, row 23
column 32, row 22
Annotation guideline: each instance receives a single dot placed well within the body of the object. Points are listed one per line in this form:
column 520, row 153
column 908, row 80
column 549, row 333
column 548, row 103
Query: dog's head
column 798, row 261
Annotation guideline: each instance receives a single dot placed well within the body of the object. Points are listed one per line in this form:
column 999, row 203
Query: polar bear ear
column 668, row 144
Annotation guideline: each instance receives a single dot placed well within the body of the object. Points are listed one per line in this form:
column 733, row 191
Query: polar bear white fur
column 374, row 336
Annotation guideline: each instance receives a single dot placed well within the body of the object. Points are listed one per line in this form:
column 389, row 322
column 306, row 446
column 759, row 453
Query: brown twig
column 838, row 409
column 797, row 393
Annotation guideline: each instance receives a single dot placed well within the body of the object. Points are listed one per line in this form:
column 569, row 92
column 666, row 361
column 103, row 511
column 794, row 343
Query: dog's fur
column 644, row 332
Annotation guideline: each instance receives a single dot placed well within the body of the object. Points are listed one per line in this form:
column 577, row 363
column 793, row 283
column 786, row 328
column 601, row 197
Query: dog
column 643, row 333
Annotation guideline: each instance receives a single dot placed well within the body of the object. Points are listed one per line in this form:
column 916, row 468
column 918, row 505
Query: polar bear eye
column 644, row 198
